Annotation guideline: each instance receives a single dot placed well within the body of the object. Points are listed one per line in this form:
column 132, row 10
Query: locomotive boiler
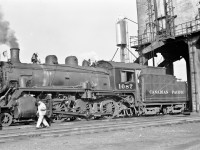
column 105, row 89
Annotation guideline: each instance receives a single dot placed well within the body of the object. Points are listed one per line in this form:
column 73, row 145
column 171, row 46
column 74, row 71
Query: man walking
column 41, row 112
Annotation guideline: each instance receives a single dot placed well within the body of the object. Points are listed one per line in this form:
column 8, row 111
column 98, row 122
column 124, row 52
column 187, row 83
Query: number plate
column 126, row 86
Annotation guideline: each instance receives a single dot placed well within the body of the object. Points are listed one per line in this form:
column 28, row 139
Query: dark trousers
column 48, row 120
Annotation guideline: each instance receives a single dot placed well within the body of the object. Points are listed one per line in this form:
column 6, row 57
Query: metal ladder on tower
column 150, row 26
column 169, row 8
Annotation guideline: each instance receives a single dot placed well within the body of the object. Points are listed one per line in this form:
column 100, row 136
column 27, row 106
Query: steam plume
column 7, row 36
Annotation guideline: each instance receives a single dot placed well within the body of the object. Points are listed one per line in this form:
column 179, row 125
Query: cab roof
column 114, row 65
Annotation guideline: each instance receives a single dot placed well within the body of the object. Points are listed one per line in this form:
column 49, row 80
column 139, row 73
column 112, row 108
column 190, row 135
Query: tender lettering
column 153, row 92
column 158, row 92
column 177, row 92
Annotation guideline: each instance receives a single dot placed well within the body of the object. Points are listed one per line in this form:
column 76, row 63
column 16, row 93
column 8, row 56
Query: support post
column 194, row 60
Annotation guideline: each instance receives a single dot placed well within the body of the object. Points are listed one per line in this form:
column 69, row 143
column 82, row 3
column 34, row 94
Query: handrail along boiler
column 105, row 89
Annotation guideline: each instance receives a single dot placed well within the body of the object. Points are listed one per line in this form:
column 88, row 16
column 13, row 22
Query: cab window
column 127, row 76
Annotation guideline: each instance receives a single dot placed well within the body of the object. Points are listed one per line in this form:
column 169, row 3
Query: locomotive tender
column 107, row 89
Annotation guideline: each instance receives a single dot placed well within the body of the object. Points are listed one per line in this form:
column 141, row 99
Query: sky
column 82, row 28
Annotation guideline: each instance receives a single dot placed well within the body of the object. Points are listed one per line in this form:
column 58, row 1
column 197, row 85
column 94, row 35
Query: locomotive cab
column 123, row 76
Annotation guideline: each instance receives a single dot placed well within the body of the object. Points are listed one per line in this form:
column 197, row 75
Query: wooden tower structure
column 171, row 28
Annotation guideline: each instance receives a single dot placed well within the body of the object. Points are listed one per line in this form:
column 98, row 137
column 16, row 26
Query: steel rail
column 95, row 128
column 12, row 129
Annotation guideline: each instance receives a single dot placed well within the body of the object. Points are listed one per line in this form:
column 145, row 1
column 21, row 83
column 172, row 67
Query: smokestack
column 14, row 55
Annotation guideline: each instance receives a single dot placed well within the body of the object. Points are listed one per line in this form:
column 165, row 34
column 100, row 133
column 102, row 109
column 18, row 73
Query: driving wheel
column 109, row 109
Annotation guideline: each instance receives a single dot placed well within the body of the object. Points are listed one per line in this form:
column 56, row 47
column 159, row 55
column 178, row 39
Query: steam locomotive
column 105, row 89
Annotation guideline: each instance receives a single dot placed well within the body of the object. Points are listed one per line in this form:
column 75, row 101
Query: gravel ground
column 170, row 137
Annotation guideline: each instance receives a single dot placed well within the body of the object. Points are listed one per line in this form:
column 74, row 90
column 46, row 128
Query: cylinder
column 14, row 55
column 71, row 60
column 25, row 107
column 51, row 59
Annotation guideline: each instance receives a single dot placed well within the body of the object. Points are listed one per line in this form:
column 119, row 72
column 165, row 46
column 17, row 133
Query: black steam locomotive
column 104, row 89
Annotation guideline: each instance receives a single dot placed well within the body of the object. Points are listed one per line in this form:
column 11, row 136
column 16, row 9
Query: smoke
column 7, row 36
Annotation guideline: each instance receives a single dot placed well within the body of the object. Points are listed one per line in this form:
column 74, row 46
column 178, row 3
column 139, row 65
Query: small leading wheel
column 6, row 119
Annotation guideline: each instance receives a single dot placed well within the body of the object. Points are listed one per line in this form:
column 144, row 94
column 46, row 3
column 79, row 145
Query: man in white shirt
column 41, row 112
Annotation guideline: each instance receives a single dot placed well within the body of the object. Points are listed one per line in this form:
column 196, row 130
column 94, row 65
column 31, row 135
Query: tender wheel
column 138, row 115
column 164, row 111
column 109, row 108
column 6, row 119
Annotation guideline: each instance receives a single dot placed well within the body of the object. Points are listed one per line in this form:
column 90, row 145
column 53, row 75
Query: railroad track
column 77, row 128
